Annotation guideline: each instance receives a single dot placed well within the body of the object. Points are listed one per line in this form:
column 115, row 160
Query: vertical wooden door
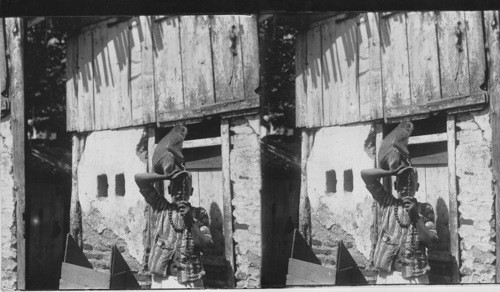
column 433, row 180
column 207, row 184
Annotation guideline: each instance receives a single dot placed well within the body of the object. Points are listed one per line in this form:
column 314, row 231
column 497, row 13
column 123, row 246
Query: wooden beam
column 428, row 138
column 378, row 141
column 75, row 217
column 15, row 35
column 214, row 141
column 227, row 198
column 304, row 218
column 452, row 188
column 492, row 28
column 3, row 58
column 208, row 110
column 452, row 103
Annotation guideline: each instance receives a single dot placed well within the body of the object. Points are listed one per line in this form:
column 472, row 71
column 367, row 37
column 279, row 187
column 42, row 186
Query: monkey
column 394, row 148
column 168, row 152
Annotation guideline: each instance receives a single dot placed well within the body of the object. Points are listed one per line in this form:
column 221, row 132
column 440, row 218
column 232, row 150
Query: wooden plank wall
column 160, row 69
column 388, row 65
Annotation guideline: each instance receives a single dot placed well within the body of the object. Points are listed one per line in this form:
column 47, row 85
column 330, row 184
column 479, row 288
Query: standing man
column 181, row 230
column 407, row 228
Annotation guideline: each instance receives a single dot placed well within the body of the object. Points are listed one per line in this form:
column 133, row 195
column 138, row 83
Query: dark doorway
column 48, row 153
column 48, row 195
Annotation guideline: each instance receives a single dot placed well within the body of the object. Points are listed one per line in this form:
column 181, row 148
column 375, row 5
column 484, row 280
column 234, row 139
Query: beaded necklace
column 177, row 229
column 183, row 227
column 408, row 224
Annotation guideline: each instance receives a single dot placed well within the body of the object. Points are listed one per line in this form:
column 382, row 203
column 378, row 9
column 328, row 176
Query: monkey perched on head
column 168, row 152
column 394, row 147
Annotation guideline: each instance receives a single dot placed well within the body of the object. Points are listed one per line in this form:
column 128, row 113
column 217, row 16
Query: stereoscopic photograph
column 250, row 150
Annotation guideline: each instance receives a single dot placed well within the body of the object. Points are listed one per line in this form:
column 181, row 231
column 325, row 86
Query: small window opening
column 102, row 185
column 331, row 181
column 120, row 184
column 348, row 180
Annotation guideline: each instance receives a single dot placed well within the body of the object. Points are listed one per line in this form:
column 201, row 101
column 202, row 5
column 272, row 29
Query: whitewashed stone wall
column 341, row 215
column 246, row 180
column 8, row 206
column 113, row 219
column 475, row 197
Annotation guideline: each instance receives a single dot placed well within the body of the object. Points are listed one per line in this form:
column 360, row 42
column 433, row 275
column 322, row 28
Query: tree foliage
column 278, row 51
column 45, row 65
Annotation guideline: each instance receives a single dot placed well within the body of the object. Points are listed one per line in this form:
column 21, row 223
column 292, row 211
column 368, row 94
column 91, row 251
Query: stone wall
column 8, row 206
column 343, row 210
column 475, row 198
column 246, row 181
column 113, row 219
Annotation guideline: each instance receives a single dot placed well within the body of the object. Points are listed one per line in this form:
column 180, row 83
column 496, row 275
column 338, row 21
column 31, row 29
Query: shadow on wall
column 341, row 43
column 440, row 260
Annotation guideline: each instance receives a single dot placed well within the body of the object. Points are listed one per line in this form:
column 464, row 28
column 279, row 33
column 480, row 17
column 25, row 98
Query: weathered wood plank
column 347, row 46
column 3, row 58
column 438, row 197
column 475, row 50
column 369, row 68
column 363, row 37
column 453, row 61
column 431, row 138
column 377, row 107
column 135, row 77
column 168, row 68
column 301, row 79
column 14, row 30
column 141, row 71
column 395, row 72
column 452, row 103
column 211, row 199
column 84, row 276
column 227, row 208
column 421, row 195
column 330, row 74
column 452, row 189
column 75, row 214
column 118, row 48
column 67, row 285
column 423, row 57
column 250, row 51
column 195, row 198
column 214, row 141
column 197, row 71
column 492, row 30
column 148, row 97
column 295, row 281
column 314, row 80
column 227, row 57
column 101, row 76
column 71, row 84
column 311, row 272
column 211, row 109
column 85, row 83
column 304, row 210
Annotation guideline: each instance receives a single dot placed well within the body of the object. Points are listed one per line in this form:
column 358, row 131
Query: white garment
column 394, row 277
column 169, row 282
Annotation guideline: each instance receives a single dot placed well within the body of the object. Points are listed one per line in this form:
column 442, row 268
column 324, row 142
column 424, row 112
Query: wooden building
column 129, row 81
column 357, row 75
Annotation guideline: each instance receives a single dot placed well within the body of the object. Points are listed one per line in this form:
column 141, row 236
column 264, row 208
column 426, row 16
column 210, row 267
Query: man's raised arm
column 145, row 183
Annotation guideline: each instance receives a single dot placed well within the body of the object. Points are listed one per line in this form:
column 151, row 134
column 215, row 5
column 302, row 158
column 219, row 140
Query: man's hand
column 410, row 205
column 184, row 209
